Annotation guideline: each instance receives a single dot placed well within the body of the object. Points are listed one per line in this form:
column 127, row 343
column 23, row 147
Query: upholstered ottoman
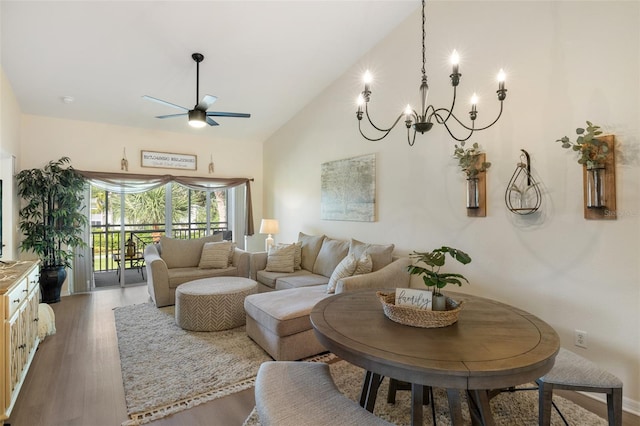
column 213, row 304
column 279, row 322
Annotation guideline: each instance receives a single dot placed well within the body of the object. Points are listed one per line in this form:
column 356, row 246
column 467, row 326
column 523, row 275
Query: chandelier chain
column 424, row 54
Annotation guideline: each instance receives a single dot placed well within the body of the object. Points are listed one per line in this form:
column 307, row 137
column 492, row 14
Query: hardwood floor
column 75, row 377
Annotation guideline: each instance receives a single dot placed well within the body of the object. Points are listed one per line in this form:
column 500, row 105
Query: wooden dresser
column 19, row 299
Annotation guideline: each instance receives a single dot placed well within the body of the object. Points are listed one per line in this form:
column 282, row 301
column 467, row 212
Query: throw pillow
column 381, row 255
column 344, row 269
column 215, row 255
column 331, row 253
column 179, row 253
column 297, row 257
column 310, row 247
column 280, row 258
column 364, row 264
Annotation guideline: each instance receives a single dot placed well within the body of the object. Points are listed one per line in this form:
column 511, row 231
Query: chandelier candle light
column 423, row 121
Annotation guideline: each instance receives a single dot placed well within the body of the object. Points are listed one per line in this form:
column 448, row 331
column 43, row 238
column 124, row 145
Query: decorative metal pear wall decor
column 523, row 195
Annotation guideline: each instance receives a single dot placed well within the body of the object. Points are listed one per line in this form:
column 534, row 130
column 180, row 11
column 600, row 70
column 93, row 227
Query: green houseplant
column 51, row 220
column 591, row 151
column 431, row 275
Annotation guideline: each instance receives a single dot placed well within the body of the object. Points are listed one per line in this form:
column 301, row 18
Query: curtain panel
column 132, row 183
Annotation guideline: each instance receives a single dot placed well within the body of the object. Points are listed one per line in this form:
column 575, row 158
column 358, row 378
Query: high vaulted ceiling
column 267, row 58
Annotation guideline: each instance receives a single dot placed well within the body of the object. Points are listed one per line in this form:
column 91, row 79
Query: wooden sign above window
column 168, row 160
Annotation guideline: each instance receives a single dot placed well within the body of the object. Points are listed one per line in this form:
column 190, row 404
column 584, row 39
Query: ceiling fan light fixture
column 197, row 118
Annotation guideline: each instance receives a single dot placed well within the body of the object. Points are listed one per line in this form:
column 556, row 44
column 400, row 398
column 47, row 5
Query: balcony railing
column 105, row 239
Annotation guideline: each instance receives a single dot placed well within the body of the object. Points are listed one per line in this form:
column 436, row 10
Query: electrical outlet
column 580, row 339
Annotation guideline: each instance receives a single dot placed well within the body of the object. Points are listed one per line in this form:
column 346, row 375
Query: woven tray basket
column 416, row 317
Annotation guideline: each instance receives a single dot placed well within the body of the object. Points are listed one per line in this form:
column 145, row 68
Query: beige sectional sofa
column 279, row 320
column 172, row 262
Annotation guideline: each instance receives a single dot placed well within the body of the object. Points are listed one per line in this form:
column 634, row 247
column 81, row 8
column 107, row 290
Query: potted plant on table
column 431, row 275
column 52, row 220
column 469, row 162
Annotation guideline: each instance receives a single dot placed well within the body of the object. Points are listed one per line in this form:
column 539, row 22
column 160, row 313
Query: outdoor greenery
column 435, row 259
column 591, row 150
column 52, row 218
column 468, row 160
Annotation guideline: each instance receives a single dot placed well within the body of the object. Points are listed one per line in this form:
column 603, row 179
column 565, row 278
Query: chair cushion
column 310, row 246
column 330, row 255
column 216, row 255
column 284, row 312
column 179, row 253
column 345, row 268
column 381, row 255
column 570, row 369
column 281, row 258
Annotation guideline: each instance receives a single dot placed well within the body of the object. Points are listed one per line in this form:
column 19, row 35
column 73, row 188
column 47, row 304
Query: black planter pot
column 51, row 280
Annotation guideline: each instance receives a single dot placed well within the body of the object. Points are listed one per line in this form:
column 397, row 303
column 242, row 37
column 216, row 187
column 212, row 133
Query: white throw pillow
column 364, row 264
column 344, row 269
column 215, row 255
column 297, row 257
column 281, row 258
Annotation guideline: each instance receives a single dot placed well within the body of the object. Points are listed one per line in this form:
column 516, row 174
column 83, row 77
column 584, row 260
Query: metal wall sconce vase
column 523, row 195
column 599, row 185
column 473, row 193
column 477, row 192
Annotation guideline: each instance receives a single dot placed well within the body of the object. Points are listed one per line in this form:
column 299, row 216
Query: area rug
column 166, row 369
column 509, row 409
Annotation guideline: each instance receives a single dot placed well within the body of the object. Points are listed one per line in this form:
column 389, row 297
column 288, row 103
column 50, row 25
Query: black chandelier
column 423, row 122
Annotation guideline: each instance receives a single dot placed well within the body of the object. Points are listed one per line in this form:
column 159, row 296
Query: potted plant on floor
column 52, row 220
column 431, row 275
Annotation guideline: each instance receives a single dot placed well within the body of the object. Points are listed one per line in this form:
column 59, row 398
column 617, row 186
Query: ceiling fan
column 198, row 116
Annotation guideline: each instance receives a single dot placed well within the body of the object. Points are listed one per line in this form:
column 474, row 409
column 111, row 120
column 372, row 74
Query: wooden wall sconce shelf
column 608, row 210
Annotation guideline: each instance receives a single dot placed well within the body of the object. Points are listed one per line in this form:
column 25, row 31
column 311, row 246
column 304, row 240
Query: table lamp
column 269, row 226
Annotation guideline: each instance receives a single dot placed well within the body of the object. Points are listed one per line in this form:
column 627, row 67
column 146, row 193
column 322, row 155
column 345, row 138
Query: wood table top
column 493, row 345
column 13, row 271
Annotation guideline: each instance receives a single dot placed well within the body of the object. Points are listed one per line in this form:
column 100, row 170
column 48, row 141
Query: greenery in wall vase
column 592, row 151
column 469, row 160
column 432, row 277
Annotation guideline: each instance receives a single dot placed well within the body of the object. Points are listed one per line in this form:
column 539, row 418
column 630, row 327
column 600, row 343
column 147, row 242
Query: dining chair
column 574, row 372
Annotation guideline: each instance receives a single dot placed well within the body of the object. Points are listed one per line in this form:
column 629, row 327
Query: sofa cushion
column 284, row 312
column 331, row 253
column 179, row 276
column 381, row 255
column 280, row 258
column 345, row 268
column 364, row 265
column 310, row 247
column 179, row 253
column 216, row 255
column 297, row 281
column 269, row 278
column 297, row 257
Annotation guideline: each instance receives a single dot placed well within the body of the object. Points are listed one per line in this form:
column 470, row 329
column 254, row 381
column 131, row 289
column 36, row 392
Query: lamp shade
column 269, row 226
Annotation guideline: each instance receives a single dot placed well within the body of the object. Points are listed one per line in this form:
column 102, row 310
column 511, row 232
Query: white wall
column 566, row 62
column 9, row 146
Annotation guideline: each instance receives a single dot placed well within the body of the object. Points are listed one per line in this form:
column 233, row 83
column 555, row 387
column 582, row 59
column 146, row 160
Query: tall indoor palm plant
column 52, row 220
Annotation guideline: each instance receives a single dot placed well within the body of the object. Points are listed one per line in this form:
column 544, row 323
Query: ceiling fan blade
column 211, row 122
column 206, row 102
column 170, row 115
column 160, row 101
column 227, row 114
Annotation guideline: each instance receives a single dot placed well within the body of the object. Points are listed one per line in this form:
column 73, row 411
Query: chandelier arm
column 410, row 140
column 455, row 137
column 450, row 110
column 494, row 121
column 373, row 139
column 366, row 109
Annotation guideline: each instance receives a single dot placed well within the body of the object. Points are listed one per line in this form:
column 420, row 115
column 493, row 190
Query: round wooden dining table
column 492, row 346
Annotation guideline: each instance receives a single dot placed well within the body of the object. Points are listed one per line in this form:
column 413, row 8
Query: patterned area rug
column 166, row 369
column 509, row 409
